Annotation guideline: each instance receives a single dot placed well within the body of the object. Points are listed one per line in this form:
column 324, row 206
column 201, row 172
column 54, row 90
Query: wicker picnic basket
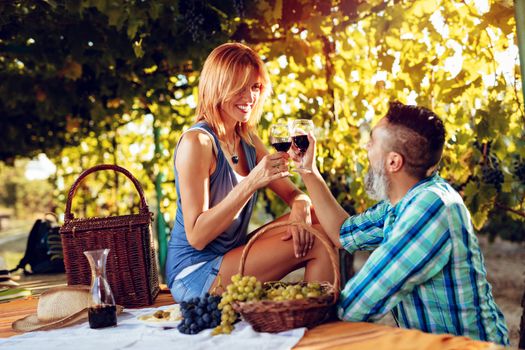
column 131, row 267
column 277, row 316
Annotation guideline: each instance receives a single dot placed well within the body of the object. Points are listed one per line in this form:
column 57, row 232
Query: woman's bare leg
column 270, row 259
column 286, row 217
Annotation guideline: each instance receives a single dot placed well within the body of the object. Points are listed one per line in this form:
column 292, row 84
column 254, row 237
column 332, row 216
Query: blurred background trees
column 114, row 81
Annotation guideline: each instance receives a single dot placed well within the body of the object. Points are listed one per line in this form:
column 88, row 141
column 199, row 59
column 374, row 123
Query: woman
column 220, row 163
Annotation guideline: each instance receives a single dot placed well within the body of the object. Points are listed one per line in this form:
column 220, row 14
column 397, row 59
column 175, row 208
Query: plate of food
column 166, row 318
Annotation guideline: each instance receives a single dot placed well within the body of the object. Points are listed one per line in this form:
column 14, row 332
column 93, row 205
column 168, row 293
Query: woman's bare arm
column 194, row 164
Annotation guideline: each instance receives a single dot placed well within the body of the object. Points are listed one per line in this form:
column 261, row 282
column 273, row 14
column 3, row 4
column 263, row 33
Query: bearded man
column 426, row 267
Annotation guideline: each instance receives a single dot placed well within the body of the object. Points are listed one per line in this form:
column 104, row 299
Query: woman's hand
column 271, row 167
column 303, row 240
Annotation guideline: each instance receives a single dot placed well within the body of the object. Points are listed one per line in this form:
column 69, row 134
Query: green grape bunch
column 242, row 288
column 293, row 291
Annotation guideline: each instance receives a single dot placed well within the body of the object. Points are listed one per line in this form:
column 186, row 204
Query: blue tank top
column 180, row 253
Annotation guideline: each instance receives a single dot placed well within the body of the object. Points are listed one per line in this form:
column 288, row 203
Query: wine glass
column 299, row 130
column 280, row 137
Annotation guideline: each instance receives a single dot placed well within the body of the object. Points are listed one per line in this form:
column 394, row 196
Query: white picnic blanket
column 132, row 333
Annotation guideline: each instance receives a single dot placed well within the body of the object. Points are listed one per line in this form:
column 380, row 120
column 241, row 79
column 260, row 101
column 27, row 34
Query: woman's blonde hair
column 225, row 74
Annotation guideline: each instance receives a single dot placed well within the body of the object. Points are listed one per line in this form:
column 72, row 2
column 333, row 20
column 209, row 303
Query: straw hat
column 58, row 307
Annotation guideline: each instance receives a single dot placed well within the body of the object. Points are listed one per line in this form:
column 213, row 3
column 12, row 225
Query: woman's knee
column 322, row 245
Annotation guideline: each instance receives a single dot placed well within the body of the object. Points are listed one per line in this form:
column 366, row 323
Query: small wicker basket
column 277, row 316
column 132, row 263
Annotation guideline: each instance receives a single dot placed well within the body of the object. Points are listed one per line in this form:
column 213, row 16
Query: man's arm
column 417, row 248
column 330, row 214
column 365, row 231
column 359, row 232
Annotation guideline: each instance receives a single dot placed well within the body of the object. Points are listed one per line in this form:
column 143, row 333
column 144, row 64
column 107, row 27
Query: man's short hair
column 418, row 135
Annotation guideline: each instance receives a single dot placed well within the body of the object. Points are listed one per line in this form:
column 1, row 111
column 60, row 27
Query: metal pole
column 520, row 32
column 161, row 224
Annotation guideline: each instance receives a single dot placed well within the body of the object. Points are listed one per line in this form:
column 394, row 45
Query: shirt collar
column 421, row 184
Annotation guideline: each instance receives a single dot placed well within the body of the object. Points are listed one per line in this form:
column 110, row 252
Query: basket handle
column 309, row 228
column 143, row 205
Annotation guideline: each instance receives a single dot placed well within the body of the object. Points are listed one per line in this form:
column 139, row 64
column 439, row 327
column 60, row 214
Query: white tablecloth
column 131, row 333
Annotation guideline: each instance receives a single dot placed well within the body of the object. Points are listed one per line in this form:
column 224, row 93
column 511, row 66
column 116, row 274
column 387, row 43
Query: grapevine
column 490, row 171
column 519, row 170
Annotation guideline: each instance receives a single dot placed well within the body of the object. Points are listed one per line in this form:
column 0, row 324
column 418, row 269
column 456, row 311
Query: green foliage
column 26, row 198
column 73, row 67
column 505, row 226
column 87, row 81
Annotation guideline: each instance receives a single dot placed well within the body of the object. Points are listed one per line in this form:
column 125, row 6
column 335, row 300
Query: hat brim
column 9, row 283
column 32, row 323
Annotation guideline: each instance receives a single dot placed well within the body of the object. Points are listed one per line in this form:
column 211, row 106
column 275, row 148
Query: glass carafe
column 102, row 310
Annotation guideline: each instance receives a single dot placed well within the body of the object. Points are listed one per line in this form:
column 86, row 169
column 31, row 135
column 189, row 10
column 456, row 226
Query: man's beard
column 377, row 183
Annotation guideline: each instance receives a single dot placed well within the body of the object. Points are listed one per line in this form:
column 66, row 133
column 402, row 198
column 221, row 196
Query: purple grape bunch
column 491, row 172
column 199, row 313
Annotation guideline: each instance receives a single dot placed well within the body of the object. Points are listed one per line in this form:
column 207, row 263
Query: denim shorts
column 198, row 282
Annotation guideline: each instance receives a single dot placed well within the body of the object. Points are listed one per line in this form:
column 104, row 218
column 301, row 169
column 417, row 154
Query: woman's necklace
column 235, row 157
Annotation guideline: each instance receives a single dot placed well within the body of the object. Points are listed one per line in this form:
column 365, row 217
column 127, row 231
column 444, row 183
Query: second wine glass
column 299, row 130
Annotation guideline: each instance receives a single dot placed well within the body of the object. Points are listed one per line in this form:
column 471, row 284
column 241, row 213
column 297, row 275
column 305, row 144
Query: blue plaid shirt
column 426, row 266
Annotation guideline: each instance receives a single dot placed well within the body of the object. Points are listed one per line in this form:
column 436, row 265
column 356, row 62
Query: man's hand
column 308, row 158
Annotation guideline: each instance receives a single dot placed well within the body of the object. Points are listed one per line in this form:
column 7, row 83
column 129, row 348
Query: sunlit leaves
column 101, row 74
column 436, row 54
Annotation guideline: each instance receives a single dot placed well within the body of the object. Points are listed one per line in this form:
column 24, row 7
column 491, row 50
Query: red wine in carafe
column 101, row 316
column 282, row 146
column 301, row 142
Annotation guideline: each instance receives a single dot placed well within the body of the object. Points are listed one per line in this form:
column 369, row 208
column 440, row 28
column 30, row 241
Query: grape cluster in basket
column 199, row 313
column 248, row 289
column 293, row 291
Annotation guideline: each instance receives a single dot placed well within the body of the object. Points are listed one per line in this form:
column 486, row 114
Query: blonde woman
column 220, row 164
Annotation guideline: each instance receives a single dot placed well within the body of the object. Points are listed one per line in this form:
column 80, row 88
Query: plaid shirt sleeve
column 417, row 247
column 364, row 231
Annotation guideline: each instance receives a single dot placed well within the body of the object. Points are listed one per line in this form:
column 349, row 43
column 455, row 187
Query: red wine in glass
column 300, row 130
column 301, row 142
column 281, row 145
column 280, row 137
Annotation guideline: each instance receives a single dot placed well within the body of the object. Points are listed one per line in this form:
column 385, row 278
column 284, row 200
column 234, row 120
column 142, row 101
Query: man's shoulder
column 436, row 192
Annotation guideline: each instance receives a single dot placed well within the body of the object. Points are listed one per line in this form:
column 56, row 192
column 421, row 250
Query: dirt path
column 505, row 262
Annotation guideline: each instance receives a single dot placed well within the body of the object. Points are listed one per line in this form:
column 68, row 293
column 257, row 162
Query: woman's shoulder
column 197, row 140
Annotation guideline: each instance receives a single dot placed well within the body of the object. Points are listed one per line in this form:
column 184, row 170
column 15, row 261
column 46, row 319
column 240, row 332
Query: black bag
column 44, row 249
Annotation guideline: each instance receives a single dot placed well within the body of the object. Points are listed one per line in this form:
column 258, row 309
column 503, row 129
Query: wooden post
column 520, row 32
column 161, row 224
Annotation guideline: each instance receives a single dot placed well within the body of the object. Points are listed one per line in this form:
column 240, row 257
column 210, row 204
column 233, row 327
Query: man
column 426, row 266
